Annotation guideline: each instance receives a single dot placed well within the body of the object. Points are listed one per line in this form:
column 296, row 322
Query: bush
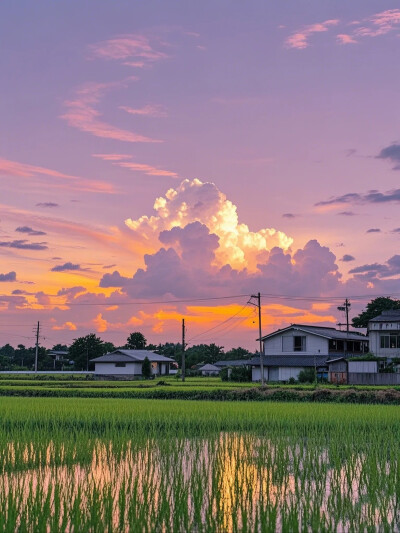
column 307, row 375
column 235, row 373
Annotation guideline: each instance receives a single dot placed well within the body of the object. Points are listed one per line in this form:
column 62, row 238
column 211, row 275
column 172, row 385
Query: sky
column 163, row 160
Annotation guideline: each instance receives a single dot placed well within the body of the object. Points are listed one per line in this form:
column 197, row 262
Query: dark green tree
column 83, row 349
column 60, row 348
column 108, row 347
column 374, row 309
column 146, row 368
column 136, row 341
column 236, row 353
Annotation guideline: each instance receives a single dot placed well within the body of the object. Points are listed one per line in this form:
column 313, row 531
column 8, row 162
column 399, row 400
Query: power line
column 218, row 325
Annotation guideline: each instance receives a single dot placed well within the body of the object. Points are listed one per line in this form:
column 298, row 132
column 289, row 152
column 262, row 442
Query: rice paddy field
column 83, row 464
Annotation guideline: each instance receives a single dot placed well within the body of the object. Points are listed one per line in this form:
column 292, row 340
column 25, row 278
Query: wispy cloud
column 344, row 38
column 147, row 110
column 372, row 197
column 378, row 24
column 83, row 115
column 66, row 267
column 15, row 169
column 373, row 230
column 30, row 231
column 133, row 50
column 300, row 38
column 47, row 204
column 123, row 161
column 24, row 245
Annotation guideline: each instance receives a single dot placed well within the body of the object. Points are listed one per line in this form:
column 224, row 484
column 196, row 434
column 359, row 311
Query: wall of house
column 286, row 372
column 362, row 378
column 110, row 368
column 314, row 344
column 369, row 367
column 256, row 373
column 375, row 342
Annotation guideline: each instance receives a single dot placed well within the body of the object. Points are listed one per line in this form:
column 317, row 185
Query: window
column 120, row 365
column 390, row 341
column 299, row 343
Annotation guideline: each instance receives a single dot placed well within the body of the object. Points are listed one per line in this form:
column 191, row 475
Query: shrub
column 307, row 375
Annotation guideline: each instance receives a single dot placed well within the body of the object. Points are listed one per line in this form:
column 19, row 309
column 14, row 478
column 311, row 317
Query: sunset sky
column 167, row 159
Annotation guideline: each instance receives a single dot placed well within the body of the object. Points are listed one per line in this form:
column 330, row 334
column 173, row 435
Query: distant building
column 128, row 364
column 209, row 370
column 384, row 334
column 290, row 350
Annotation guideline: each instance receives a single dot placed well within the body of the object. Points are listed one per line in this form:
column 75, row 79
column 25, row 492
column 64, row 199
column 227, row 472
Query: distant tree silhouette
column 374, row 309
column 136, row 341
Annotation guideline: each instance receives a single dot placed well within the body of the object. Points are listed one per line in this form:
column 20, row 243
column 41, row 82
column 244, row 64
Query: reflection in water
column 226, row 483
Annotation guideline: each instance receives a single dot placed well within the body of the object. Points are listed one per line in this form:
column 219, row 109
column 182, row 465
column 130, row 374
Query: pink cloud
column 132, row 50
column 14, row 169
column 343, row 38
column 300, row 38
column 379, row 24
column 83, row 115
column 122, row 161
column 147, row 110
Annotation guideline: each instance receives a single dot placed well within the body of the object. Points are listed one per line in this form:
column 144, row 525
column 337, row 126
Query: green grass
column 76, row 464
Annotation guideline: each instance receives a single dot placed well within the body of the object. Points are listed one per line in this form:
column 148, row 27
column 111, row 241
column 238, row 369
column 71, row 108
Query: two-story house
column 288, row 351
column 384, row 334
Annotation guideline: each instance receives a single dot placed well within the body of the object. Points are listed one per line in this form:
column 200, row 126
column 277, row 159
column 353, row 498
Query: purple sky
column 284, row 119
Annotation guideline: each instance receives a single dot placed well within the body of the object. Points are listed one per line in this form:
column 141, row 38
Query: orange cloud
column 120, row 160
column 83, row 115
column 67, row 325
column 22, row 170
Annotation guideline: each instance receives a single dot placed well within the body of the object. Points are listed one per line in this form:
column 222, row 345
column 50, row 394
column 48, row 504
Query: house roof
column 291, row 360
column 328, row 333
column 132, row 356
column 209, row 368
column 393, row 315
column 236, row 362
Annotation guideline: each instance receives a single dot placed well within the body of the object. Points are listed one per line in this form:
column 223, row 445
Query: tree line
column 83, row 349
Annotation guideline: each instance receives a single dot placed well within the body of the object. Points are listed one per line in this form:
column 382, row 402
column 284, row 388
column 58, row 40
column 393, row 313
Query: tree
column 307, row 375
column 136, row 341
column 60, row 348
column 146, row 368
column 236, row 353
column 83, row 349
column 374, row 309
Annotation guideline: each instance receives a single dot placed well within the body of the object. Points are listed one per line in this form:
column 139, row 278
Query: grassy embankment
column 193, row 389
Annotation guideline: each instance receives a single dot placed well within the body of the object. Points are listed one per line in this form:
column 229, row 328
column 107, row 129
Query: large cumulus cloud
column 195, row 201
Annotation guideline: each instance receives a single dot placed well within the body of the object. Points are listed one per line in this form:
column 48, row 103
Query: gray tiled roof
column 209, row 368
column 387, row 316
column 329, row 333
column 132, row 356
column 236, row 362
column 291, row 360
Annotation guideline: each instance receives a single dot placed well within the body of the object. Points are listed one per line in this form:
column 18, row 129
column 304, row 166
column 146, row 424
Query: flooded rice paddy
column 197, row 466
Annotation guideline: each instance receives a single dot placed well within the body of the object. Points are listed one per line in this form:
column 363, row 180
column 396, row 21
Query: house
column 209, row 370
column 289, row 350
column 384, row 334
column 127, row 364
column 235, row 362
column 341, row 370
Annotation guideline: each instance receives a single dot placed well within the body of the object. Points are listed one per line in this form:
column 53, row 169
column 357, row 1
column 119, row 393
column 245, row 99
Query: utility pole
column 183, row 350
column 258, row 304
column 37, row 346
column 345, row 307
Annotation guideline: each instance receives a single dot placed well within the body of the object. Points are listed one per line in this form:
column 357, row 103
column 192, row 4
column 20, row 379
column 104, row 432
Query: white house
column 289, row 350
column 384, row 334
column 128, row 364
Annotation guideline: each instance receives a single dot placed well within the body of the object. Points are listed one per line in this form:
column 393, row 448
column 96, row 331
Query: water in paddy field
column 228, row 482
